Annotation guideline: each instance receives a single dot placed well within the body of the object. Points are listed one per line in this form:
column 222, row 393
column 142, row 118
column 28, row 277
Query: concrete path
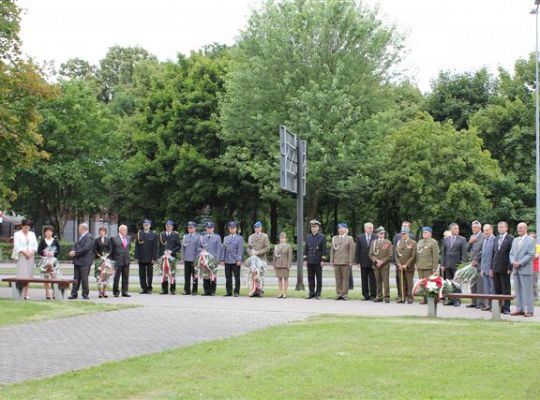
column 46, row 348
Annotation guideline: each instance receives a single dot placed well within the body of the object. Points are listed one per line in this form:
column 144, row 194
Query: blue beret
column 342, row 225
column 210, row 224
column 257, row 224
column 427, row 229
column 169, row 222
column 147, row 221
column 231, row 224
column 191, row 224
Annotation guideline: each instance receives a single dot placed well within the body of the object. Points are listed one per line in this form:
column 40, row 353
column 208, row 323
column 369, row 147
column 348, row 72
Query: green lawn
column 321, row 358
column 16, row 312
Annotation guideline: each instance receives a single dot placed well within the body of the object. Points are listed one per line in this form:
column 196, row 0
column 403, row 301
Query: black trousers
column 146, row 274
column 230, row 270
column 351, row 278
column 123, row 272
column 209, row 287
column 189, row 272
column 80, row 275
column 369, row 285
column 314, row 279
column 502, row 285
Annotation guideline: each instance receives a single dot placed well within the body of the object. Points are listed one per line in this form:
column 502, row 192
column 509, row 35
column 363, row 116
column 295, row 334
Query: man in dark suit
column 169, row 239
column 146, row 253
column 501, row 267
column 83, row 257
column 363, row 244
column 454, row 252
column 120, row 254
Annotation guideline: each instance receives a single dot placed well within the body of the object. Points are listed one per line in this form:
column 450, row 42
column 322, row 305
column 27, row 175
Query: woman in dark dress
column 49, row 249
column 103, row 267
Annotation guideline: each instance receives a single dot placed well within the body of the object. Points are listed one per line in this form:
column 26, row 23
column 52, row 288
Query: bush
column 5, row 251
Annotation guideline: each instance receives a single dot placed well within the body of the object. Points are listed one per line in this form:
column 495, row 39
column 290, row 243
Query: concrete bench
column 496, row 300
column 59, row 286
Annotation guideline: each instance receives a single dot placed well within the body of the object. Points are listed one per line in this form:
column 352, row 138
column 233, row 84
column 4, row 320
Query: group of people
column 496, row 258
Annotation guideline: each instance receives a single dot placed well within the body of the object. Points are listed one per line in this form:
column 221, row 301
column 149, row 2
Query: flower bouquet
column 207, row 266
column 256, row 268
column 166, row 266
column 103, row 269
column 465, row 277
column 49, row 265
column 433, row 286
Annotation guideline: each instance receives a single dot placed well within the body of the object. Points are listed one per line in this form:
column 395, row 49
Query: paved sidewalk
column 52, row 347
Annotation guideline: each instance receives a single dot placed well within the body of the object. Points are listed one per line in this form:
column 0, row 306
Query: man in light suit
column 521, row 257
column 502, row 267
column 363, row 244
column 486, row 261
column 454, row 252
column 474, row 250
column 120, row 246
column 83, row 257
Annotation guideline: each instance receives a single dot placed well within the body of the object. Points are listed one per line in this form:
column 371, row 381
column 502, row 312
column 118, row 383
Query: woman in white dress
column 24, row 247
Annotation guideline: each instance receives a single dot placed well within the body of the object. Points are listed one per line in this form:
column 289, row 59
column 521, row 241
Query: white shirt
column 23, row 242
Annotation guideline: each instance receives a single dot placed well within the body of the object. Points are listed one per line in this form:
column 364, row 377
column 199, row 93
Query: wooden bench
column 59, row 286
column 495, row 301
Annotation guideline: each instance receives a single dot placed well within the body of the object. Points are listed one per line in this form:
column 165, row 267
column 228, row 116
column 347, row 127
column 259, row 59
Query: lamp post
column 537, row 125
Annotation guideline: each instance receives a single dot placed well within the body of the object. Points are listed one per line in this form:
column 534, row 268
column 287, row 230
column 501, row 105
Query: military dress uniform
column 342, row 255
column 406, row 255
column 314, row 251
column 212, row 244
column 381, row 250
column 260, row 243
column 233, row 254
column 169, row 241
column 146, row 247
column 427, row 257
column 190, row 253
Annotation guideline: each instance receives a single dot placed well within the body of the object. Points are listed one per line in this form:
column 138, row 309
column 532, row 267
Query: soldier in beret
column 342, row 257
column 315, row 250
column 427, row 255
column 405, row 259
column 233, row 253
column 146, row 247
column 190, row 253
column 381, row 255
column 169, row 240
column 211, row 242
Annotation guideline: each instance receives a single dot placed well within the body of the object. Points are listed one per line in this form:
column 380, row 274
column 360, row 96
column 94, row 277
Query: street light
column 537, row 126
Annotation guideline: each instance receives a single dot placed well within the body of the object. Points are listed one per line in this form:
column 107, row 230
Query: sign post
column 293, row 179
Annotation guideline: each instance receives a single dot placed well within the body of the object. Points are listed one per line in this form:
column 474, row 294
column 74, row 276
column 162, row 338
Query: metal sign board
column 288, row 145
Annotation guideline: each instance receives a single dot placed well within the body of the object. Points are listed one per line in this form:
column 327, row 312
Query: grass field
column 16, row 312
column 323, row 358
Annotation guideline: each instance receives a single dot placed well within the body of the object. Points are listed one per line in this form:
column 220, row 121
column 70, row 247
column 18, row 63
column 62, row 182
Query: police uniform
column 146, row 246
column 314, row 251
column 406, row 255
column 381, row 250
column 169, row 241
column 190, row 253
column 233, row 254
column 212, row 244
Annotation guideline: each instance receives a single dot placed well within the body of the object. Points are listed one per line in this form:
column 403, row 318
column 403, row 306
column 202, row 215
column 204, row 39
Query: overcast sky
column 460, row 35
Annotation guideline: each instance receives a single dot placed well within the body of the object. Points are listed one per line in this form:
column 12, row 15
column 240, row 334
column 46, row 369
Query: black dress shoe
column 317, row 297
column 227, row 295
column 366, row 299
column 471, row 306
column 186, row 293
column 86, row 298
column 387, row 300
column 143, row 292
column 126, row 295
column 236, row 294
column 311, row 296
column 72, row 297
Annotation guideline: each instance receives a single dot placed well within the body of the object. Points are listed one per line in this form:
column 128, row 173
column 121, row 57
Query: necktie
column 124, row 241
column 452, row 241
column 368, row 238
column 500, row 242
column 520, row 242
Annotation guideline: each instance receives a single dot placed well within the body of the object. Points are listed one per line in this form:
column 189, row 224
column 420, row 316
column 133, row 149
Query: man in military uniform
column 190, row 246
column 381, row 255
column 258, row 242
column 233, row 253
column 169, row 240
column 427, row 255
column 342, row 257
column 405, row 258
column 397, row 237
column 146, row 247
column 211, row 242
column 315, row 250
